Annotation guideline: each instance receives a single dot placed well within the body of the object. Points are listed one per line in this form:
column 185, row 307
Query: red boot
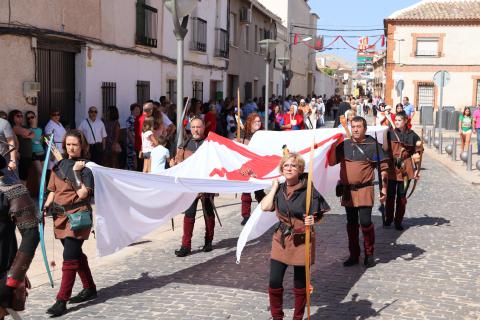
column 276, row 303
column 186, row 248
column 300, row 302
column 69, row 272
column 369, row 245
column 246, row 204
column 209, row 231
column 353, row 245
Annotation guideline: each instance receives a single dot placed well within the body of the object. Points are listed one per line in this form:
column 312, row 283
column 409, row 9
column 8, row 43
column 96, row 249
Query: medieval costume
column 188, row 148
column 402, row 145
column 63, row 183
column 358, row 161
column 17, row 210
column 247, row 197
column 288, row 243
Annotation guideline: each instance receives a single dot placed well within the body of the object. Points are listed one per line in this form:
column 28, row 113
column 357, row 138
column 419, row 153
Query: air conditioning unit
column 31, row 89
column 245, row 15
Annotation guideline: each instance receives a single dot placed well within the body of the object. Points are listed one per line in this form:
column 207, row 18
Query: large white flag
column 130, row 205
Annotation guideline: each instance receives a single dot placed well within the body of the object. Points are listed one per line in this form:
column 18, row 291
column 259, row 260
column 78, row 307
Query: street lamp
column 180, row 9
column 284, row 62
column 269, row 45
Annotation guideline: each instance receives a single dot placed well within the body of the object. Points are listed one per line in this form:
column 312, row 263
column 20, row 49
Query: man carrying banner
column 17, row 209
column 405, row 148
column 197, row 128
column 358, row 158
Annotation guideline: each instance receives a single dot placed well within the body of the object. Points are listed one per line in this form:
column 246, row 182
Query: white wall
column 324, row 84
column 111, row 66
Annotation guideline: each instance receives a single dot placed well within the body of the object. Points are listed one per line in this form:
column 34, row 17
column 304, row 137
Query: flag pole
column 308, row 286
column 238, row 114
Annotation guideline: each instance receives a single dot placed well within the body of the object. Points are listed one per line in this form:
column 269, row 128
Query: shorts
column 469, row 131
column 38, row 156
column 146, row 155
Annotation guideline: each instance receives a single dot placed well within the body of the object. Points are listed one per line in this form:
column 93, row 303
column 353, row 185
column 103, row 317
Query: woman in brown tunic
column 288, row 200
column 252, row 125
column 71, row 188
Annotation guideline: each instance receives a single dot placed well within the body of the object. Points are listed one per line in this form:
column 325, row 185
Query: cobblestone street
column 428, row 271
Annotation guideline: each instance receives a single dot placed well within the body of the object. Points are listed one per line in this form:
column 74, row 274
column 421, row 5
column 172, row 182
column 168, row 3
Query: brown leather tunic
column 357, row 167
column 188, row 149
column 65, row 195
column 402, row 145
column 290, row 206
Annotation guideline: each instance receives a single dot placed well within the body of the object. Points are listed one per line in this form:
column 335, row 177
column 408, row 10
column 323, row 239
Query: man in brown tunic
column 358, row 159
column 197, row 128
column 404, row 148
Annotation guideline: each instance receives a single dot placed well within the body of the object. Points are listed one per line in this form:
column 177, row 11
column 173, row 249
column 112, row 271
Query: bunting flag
column 362, row 46
column 129, row 205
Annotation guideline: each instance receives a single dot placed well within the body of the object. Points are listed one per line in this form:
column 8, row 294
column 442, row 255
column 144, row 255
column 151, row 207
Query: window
column 109, row 96
column 427, row 47
column 199, row 35
column 147, row 25
column 172, row 90
column 233, row 29
column 426, row 94
column 247, row 38
column 221, row 43
column 248, row 90
column 197, row 90
column 143, row 91
column 478, row 92
column 261, row 34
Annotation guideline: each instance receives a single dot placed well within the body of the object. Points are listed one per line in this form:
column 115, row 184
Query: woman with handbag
column 288, row 200
column 71, row 189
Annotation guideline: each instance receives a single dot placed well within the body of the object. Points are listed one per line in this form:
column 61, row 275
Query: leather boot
column 58, row 309
column 209, row 231
column 89, row 291
column 369, row 245
column 400, row 212
column 246, row 204
column 353, row 245
column 186, row 248
column 300, row 302
column 276, row 303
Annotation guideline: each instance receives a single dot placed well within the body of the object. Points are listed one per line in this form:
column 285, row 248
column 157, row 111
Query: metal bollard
column 469, row 158
column 454, row 153
column 430, row 138
column 441, row 143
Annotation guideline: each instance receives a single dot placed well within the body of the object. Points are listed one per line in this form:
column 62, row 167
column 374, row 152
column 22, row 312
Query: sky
column 353, row 14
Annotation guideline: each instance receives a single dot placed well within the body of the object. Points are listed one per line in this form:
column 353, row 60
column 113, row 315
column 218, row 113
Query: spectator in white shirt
column 55, row 127
column 95, row 133
column 159, row 156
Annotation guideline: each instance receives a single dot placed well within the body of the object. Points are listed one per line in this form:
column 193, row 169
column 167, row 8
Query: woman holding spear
column 288, row 200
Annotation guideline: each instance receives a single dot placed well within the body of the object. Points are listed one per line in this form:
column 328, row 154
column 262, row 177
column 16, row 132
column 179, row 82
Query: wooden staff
column 307, row 228
column 238, row 114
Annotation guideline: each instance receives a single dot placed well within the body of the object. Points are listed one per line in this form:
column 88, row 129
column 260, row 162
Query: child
column 147, row 142
column 159, row 155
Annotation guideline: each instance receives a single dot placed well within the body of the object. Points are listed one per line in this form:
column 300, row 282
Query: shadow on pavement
column 332, row 282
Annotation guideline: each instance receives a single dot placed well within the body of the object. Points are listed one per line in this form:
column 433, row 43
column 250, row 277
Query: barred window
column 109, row 96
column 143, row 91
column 197, row 90
column 147, row 25
column 199, row 35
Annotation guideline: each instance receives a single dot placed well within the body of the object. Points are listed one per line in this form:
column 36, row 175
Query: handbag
column 80, row 220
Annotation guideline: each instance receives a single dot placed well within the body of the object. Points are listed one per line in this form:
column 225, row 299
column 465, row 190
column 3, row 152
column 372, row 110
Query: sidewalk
column 458, row 167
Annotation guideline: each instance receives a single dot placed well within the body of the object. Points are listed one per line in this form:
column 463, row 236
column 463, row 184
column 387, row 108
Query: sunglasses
column 19, row 115
column 31, row 117
column 92, row 111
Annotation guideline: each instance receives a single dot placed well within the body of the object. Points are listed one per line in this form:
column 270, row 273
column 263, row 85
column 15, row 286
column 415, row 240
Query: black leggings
column 365, row 214
column 396, row 188
column 191, row 212
column 72, row 248
column 277, row 272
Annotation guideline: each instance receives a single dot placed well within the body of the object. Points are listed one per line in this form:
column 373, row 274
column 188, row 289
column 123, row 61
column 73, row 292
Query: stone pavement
column 428, row 271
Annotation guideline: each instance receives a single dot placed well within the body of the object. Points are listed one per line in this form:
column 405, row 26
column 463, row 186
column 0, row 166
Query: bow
column 308, row 288
column 40, row 211
column 419, row 167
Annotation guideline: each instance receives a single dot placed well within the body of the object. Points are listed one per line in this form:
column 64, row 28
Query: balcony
column 199, row 35
column 147, row 25
column 221, row 43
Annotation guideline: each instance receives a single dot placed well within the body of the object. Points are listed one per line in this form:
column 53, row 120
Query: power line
column 336, row 30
